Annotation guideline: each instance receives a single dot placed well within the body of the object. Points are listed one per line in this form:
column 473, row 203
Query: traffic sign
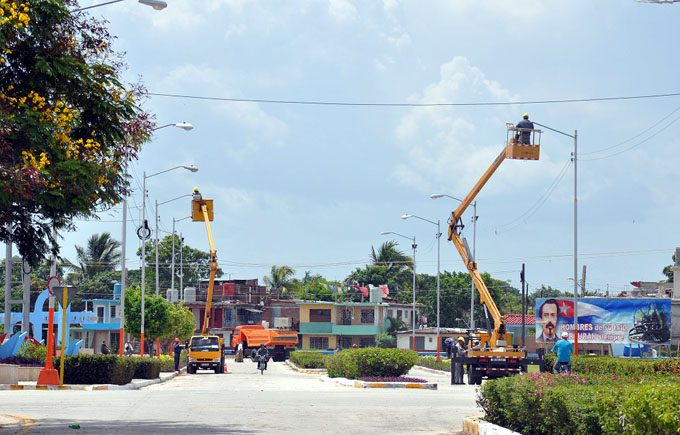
column 58, row 290
column 53, row 282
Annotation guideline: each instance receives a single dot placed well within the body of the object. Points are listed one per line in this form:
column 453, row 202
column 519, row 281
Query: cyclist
column 564, row 350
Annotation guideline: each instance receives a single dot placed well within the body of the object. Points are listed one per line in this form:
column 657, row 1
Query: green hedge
column 308, row 360
column 569, row 404
column 146, row 368
column 370, row 361
column 431, row 362
column 97, row 369
column 606, row 365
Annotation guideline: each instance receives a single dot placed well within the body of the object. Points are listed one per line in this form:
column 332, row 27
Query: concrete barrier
column 29, row 373
column 9, row 374
column 473, row 426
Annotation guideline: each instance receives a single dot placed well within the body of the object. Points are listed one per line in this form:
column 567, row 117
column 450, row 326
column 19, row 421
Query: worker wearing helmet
column 524, row 135
column 197, row 195
column 459, row 352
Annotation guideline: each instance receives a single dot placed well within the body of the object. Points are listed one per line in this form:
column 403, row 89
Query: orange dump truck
column 279, row 342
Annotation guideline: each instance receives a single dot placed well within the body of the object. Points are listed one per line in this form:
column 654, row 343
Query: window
column 346, row 316
column 367, row 341
column 100, row 314
column 398, row 314
column 367, row 316
column 390, row 313
column 318, row 342
column 320, row 316
column 405, row 315
column 346, row 342
column 113, row 311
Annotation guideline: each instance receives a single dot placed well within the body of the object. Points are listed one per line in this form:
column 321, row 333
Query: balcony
column 316, row 328
column 331, row 329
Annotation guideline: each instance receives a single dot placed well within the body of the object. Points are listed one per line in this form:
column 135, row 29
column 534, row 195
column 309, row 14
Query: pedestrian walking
column 105, row 349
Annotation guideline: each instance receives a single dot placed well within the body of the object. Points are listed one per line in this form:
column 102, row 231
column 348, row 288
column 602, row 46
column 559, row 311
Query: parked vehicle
column 279, row 342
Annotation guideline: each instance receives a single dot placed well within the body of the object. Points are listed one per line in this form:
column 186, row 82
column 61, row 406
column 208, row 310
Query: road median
column 136, row 384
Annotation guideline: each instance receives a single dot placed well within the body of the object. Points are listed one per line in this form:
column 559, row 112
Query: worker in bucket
column 524, row 137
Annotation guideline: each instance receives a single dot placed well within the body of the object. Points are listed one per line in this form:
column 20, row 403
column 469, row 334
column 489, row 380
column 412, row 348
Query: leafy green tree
column 668, row 270
column 389, row 256
column 280, row 280
column 395, row 325
column 182, row 322
column 542, row 292
column 68, row 124
column 157, row 314
column 317, row 289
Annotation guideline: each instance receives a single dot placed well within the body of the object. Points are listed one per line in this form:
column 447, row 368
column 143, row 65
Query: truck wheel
column 472, row 376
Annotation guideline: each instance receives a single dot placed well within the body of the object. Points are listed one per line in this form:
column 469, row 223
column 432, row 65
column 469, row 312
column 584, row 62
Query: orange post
column 576, row 341
column 141, row 349
column 439, row 344
column 121, row 341
column 158, row 347
column 49, row 375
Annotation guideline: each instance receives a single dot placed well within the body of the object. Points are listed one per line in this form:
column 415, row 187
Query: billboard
column 605, row 320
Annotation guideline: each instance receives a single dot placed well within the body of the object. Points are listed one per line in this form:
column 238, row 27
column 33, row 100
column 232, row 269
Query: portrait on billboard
column 605, row 320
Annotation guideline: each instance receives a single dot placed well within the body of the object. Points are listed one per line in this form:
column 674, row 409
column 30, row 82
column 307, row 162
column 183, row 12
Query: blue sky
column 313, row 186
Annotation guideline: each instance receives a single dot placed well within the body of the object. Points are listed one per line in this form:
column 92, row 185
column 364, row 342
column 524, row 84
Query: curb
column 97, row 387
column 362, row 384
column 429, row 370
column 473, row 426
column 306, row 371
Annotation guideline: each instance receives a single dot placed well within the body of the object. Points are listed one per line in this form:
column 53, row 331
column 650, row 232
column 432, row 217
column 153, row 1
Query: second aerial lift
column 488, row 353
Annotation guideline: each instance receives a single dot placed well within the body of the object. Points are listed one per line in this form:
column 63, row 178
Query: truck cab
column 205, row 352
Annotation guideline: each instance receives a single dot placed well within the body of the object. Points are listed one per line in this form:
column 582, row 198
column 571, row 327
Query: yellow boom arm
column 511, row 151
column 202, row 210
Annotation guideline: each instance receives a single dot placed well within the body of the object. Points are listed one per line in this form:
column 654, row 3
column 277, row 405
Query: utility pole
column 474, row 257
column 8, row 288
column 524, row 300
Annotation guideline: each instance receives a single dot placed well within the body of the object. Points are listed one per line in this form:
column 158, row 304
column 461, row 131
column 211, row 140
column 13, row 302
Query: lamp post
column 413, row 315
column 123, row 270
column 408, row 216
column 158, row 5
column 474, row 250
column 172, row 278
column 574, row 159
column 156, row 242
column 143, row 233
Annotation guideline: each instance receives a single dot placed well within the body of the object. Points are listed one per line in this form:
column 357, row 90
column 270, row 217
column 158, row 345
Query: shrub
column 97, row 369
column 168, row 362
column 370, row 361
column 385, row 341
column 308, row 360
column 431, row 362
column 146, row 368
column 570, row 404
column 30, row 351
column 607, row 365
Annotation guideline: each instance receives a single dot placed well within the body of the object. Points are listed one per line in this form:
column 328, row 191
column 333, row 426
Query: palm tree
column 280, row 278
column 389, row 256
column 101, row 254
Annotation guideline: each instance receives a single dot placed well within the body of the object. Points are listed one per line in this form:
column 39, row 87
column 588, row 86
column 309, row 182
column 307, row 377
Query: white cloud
column 342, row 11
column 381, row 63
column 449, row 147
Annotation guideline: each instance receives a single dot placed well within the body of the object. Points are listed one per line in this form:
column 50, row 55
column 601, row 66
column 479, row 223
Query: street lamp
column 158, row 5
column 144, row 233
column 413, row 315
column 474, row 250
column 172, row 279
column 157, row 204
column 183, row 125
column 575, row 160
column 408, row 216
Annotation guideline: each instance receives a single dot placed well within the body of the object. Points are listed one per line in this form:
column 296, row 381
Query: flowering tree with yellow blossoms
column 68, row 124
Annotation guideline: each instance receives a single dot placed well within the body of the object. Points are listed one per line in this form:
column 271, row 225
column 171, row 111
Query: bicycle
column 262, row 364
column 562, row 367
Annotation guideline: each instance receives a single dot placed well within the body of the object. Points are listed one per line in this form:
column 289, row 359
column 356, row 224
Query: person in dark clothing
column 459, row 350
column 525, row 136
column 262, row 354
column 176, row 352
column 105, row 349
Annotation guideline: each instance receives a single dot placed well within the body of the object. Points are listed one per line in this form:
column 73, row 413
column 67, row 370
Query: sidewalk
column 136, row 384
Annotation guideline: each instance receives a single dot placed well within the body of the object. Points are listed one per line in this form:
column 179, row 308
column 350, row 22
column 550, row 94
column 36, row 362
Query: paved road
column 280, row 401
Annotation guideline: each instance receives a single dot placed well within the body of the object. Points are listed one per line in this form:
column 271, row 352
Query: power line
column 383, row 104
column 633, row 137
